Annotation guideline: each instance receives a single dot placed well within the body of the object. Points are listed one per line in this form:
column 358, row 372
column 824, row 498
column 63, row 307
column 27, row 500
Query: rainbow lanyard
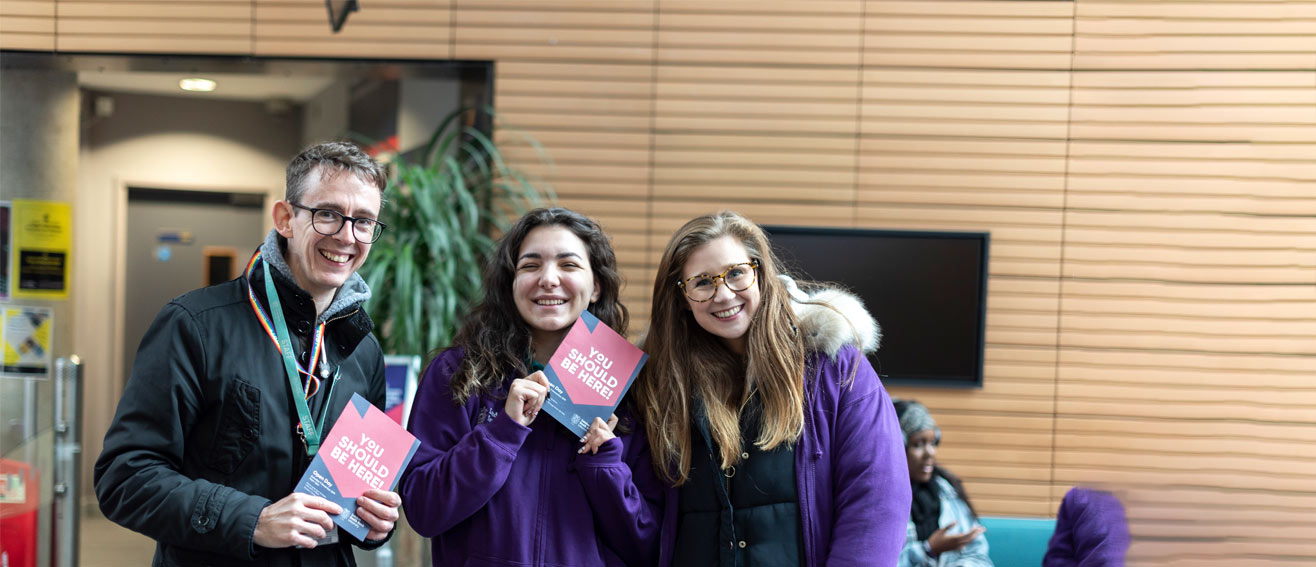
column 278, row 333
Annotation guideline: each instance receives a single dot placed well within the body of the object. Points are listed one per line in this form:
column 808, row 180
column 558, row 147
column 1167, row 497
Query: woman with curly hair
column 495, row 483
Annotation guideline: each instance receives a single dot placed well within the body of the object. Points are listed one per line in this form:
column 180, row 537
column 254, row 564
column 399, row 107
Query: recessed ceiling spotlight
column 197, row 84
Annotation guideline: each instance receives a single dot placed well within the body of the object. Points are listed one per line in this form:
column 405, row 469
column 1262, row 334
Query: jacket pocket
column 239, row 428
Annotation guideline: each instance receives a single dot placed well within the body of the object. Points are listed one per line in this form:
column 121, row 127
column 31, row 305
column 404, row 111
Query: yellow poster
column 42, row 249
column 25, row 337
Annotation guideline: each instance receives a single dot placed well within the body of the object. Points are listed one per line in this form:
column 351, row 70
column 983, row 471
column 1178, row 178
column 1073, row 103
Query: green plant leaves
column 425, row 270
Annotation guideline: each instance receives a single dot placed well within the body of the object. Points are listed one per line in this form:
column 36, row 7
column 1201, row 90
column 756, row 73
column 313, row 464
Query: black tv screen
column 927, row 290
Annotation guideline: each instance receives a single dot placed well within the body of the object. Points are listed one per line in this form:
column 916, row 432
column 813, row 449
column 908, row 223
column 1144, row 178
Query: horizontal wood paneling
column 27, row 25
column 769, row 33
column 419, row 29
column 1126, row 34
column 558, row 30
column 202, row 27
column 966, row 34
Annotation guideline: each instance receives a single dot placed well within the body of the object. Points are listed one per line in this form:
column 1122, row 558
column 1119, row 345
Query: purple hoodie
column 850, row 468
column 492, row 492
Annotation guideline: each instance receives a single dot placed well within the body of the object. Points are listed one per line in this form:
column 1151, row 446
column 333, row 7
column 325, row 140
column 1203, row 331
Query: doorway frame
column 120, row 216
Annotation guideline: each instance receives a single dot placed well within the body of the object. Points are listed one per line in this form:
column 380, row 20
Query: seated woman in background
column 943, row 529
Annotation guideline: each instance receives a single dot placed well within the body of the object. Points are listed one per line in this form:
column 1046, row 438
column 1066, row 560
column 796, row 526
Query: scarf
column 926, row 508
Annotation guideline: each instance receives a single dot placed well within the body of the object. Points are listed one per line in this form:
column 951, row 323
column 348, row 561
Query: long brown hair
column 687, row 362
column 496, row 338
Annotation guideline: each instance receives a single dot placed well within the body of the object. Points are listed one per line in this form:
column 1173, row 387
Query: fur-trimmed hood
column 831, row 318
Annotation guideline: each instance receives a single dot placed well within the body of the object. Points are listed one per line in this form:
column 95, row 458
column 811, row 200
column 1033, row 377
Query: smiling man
column 235, row 384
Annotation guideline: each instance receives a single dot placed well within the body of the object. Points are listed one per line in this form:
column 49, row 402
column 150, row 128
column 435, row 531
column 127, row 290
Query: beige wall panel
column 1185, row 85
column 136, row 28
column 510, row 137
column 670, row 214
column 617, row 155
column 554, row 31
column 1099, row 269
column 27, row 25
column 154, row 27
column 536, row 120
column 1025, row 287
column 1194, row 35
column 1254, row 397
column 1183, row 411
column 1222, row 308
column 1137, row 423
column 1032, row 35
column 768, row 33
column 971, row 420
column 24, row 33
column 1176, row 132
column 1190, row 170
column 182, row 44
column 1286, row 344
column 29, row 8
column 1178, row 444
column 1035, row 184
column 808, row 147
column 1261, row 377
column 383, row 28
column 889, row 191
column 988, row 506
column 154, row 10
column 1227, row 114
column 1107, row 193
column 567, row 106
column 1169, row 502
column 1190, row 188
column 567, row 85
column 1239, row 153
column 979, row 401
column 1129, row 475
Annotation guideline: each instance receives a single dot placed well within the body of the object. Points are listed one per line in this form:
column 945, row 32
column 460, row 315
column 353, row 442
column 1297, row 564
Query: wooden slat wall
column 1147, row 169
column 27, row 25
column 1187, row 371
column 153, row 26
column 413, row 29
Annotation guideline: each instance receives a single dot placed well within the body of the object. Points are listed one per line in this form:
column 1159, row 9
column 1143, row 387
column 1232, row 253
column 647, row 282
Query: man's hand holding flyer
column 365, row 449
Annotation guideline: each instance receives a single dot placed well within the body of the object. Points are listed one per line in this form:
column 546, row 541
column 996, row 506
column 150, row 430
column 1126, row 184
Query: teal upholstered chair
column 1017, row 542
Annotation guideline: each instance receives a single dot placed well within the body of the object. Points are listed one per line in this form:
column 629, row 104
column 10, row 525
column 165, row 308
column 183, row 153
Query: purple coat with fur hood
column 851, row 473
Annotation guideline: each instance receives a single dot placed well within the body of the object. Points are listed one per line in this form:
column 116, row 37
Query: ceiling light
column 197, row 84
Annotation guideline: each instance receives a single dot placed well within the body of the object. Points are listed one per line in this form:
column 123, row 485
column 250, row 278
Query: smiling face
column 554, row 283
column 728, row 314
column 922, row 454
column 321, row 264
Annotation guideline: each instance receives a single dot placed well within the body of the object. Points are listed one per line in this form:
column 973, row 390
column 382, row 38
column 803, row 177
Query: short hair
column 332, row 158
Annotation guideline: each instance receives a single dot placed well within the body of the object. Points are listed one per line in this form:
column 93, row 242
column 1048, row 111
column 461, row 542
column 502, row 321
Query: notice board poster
column 25, row 334
column 41, row 249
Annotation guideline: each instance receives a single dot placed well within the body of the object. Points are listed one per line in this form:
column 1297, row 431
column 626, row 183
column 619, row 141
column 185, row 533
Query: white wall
column 164, row 142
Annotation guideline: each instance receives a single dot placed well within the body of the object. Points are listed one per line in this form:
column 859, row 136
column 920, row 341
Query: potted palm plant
column 446, row 205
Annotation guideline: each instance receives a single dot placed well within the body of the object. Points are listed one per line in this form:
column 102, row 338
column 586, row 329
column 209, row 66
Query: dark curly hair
column 495, row 337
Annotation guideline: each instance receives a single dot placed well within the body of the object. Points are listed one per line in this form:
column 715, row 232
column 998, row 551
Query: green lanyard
column 310, row 429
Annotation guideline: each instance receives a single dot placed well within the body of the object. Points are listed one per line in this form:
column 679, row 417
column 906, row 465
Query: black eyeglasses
column 328, row 222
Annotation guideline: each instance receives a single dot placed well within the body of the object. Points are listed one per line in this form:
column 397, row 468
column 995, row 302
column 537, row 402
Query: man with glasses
column 235, row 385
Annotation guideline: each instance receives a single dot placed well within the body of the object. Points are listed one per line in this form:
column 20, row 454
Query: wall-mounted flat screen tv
column 927, row 290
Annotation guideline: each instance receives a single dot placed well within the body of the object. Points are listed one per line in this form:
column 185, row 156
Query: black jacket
column 205, row 434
